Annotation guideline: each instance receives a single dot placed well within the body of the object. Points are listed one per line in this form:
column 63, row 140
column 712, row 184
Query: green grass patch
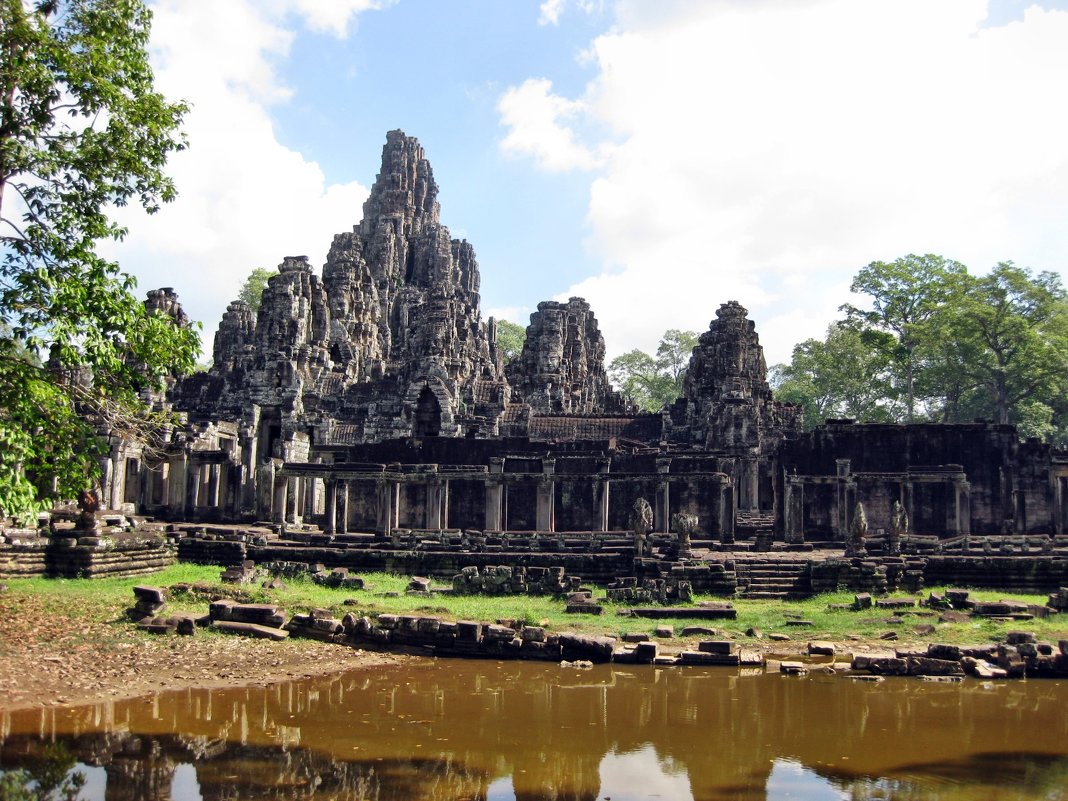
column 106, row 599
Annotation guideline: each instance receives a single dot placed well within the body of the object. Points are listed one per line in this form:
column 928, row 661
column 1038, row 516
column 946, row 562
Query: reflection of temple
column 451, row 730
column 373, row 397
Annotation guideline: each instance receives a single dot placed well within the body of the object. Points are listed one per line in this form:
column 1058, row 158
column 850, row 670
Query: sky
column 656, row 158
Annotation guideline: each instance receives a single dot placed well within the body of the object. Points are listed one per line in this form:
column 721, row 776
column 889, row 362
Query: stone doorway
column 427, row 414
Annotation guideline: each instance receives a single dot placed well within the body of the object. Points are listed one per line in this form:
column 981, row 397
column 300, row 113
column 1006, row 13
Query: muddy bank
column 46, row 657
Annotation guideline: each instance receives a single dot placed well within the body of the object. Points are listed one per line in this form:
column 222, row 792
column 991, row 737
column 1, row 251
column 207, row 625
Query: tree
column 843, row 375
column 673, row 354
column 510, row 339
column 81, row 130
column 906, row 295
column 252, row 290
column 1008, row 336
column 648, row 383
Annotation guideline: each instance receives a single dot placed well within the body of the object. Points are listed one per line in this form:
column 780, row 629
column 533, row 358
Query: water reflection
column 454, row 730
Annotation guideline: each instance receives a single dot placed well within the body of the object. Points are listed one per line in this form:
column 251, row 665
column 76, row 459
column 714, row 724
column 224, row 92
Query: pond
column 450, row 730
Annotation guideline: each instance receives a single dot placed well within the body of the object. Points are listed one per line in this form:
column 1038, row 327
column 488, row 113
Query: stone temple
column 367, row 410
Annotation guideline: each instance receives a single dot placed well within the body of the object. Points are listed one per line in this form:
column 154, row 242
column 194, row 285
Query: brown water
column 451, row 730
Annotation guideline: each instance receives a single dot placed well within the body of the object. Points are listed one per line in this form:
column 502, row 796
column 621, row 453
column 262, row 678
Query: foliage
column 906, row 294
column 844, row 375
column 652, row 383
column 252, row 290
column 943, row 345
column 81, row 130
column 510, row 339
column 1008, row 332
column 47, row 777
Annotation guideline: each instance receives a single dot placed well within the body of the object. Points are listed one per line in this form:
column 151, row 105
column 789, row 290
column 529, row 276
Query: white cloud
column 550, row 12
column 245, row 200
column 333, row 16
column 536, row 119
column 767, row 150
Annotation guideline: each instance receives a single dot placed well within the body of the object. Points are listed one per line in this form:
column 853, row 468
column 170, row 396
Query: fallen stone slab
column 793, row 668
column 705, row 658
column 152, row 595
column 895, row 603
column 250, row 629
column 722, row 647
column 575, row 646
column 584, row 609
column 698, row 631
column 926, row 666
column 696, row 612
column 820, row 648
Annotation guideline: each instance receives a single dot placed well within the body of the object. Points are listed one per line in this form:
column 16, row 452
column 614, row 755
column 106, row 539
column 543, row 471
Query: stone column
column 964, row 501
column 193, row 488
column 396, row 501
column 794, row 510
column 213, row 485
column 331, row 505
column 386, row 521
column 726, row 512
column 601, row 492
column 445, row 492
column 434, row 516
column 546, row 496
column 278, row 506
column 176, row 490
column 662, row 511
column 343, row 523
column 843, row 508
column 293, row 501
column 118, row 479
column 494, row 493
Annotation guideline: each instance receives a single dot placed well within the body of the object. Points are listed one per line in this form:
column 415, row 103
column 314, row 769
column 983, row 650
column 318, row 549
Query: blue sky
column 657, row 158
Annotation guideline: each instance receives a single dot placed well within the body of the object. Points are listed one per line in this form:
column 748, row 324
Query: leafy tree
column 652, row 383
column 673, row 354
column 252, row 290
column 81, row 130
column 906, row 295
column 1007, row 334
column 843, row 375
column 510, row 339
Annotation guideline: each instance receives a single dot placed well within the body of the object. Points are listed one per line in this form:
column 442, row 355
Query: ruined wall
column 561, row 368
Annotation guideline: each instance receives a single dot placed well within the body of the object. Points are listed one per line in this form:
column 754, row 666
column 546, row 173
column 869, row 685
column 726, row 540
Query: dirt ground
column 43, row 661
column 48, row 657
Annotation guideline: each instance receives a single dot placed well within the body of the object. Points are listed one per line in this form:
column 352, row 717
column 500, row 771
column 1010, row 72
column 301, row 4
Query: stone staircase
column 769, row 578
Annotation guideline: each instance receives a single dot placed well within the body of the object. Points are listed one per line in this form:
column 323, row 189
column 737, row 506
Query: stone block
column 250, row 629
column 791, row 668
column 635, row 637
column 862, row 600
column 584, row 609
column 585, row 646
column 1017, row 637
column 820, row 648
column 926, row 666
column 497, row 633
column 532, row 634
column 698, row 631
column 888, row 666
column 717, row 646
column 944, row 651
column 706, row 658
column 387, row 622
column 645, row 653
column 152, row 595
column 664, row 631
column 468, row 631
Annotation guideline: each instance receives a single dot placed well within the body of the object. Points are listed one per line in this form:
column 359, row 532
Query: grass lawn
column 101, row 600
